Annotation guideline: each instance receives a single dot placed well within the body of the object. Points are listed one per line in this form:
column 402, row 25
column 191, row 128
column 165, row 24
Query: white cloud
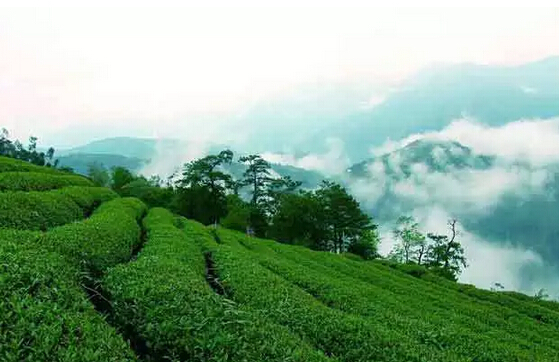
column 169, row 158
column 531, row 140
column 488, row 262
column 372, row 102
column 523, row 152
column 333, row 162
column 529, row 90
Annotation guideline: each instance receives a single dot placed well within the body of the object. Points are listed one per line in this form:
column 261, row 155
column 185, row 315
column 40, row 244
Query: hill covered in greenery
column 506, row 201
column 89, row 275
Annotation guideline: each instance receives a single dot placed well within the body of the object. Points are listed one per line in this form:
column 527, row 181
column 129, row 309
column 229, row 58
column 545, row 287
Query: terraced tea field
column 88, row 276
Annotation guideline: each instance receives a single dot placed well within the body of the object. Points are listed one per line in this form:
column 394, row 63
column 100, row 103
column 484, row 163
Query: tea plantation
column 86, row 275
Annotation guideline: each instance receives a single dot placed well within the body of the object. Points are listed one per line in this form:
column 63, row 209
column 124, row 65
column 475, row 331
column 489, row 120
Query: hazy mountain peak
column 431, row 155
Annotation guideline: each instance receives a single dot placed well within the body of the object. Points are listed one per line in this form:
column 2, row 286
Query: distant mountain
column 309, row 179
column 437, row 156
column 136, row 153
column 508, row 202
column 141, row 148
column 81, row 161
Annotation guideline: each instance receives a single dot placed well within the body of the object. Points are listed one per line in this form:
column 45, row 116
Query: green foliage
column 541, row 295
column 443, row 256
column 15, row 149
column 87, row 198
column 257, row 176
column 203, row 188
column 297, row 219
column 411, row 246
column 43, row 210
column 366, row 245
column 44, row 314
column 105, row 239
column 433, row 320
column 344, row 336
column 120, row 177
column 164, row 297
column 99, row 174
column 326, row 219
column 13, row 165
column 150, row 193
column 38, row 181
column 342, row 218
column 238, row 214
column 446, row 256
column 200, row 294
column 191, row 203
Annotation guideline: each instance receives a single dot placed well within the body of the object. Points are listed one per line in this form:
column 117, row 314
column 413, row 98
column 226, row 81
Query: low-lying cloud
column 523, row 152
column 488, row 262
column 535, row 141
column 333, row 162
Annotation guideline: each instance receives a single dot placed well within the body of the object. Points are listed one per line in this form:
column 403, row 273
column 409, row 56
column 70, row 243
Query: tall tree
column 7, row 148
column 366, row 245
column 120, row 177
column 411, row 244
column 257, row 176
column 342, row 217
column 30, row 154
column 299, row 220
column 98, row 174
column 446, row 254
column 275, row 190
column 204, row 186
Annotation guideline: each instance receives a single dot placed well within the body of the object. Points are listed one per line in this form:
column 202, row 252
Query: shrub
column 164, row 297
column 10, row 165
column 42, row 210
column 36, row 181
column 410, row 307
column 107, row 238
column 44, row 314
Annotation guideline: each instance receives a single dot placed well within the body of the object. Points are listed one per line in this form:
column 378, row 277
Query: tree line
column 15, row 149
column 442, row 254
column 327, row 218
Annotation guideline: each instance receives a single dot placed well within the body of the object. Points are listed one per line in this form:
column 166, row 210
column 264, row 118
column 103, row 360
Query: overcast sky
column 158, row 71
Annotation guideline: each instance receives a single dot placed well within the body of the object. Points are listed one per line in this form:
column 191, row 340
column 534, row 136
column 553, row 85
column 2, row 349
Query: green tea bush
column 107, row 238
column 42, row 210
column 37, row 181
column 163, row 296
column 10, row 165
column 468, row 328
column 345, row 336
column 44, row 314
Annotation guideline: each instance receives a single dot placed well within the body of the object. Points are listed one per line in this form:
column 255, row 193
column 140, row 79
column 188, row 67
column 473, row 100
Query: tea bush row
column 38, row 181
column 479, row 336
column 163, row 296
column 36, row 210
column 44, row 314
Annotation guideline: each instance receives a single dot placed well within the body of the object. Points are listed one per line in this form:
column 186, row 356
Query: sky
column 70, row 73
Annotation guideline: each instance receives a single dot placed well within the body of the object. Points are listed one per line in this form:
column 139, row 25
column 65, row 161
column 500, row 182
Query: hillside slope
column 119, row 284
